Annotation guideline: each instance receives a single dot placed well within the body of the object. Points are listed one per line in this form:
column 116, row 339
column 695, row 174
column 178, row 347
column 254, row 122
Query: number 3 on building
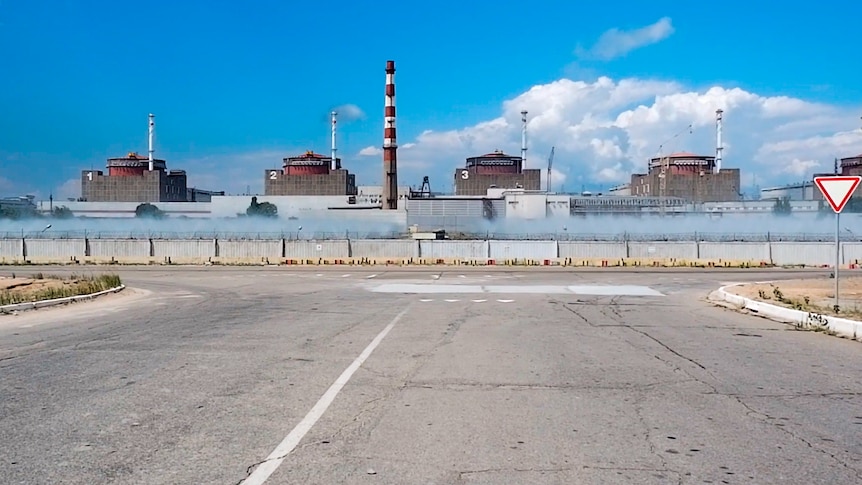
column 273, row 174
column 465, row 175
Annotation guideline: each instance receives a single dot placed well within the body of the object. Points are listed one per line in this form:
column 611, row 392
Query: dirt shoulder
column 815, row 295
column 16, row 289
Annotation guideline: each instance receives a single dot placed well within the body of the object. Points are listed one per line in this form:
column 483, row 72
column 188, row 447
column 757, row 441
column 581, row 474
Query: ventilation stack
column 151, row 131
column 718, row 145
column 390, row 164
column 524, row 140
column 334, row 165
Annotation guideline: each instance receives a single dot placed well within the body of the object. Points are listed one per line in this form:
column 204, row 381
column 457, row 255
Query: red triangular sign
column 837, row 189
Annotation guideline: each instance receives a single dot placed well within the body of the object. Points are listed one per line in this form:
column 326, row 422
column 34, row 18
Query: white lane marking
column 435, row 276
column 426, row 300
column 319, row 274
column 345, row 275
column 505, row 301
column 461, row 276
column 451, row 301
column 371, row 276
column 190, row 296
column 262, row 472
column 478, row 301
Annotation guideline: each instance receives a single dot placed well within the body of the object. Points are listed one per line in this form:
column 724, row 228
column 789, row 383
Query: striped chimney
column 390, row 164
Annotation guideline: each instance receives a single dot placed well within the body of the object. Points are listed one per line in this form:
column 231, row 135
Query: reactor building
column 498, row 170
column 135, row 178
column 695, row 178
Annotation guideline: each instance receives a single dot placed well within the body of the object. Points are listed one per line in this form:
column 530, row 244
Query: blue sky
column 236, row 86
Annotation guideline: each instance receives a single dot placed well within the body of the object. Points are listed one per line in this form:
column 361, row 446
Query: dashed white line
column 451, row 301
column 319, row 274
column 371, row 276
column 272, row 462
column 426, row 300
column 478, row 301
column 345, row 275
column 505, row 301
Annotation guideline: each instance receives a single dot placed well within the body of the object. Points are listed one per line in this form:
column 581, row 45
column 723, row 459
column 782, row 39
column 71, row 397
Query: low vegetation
column 805, row 303
column 46, row 287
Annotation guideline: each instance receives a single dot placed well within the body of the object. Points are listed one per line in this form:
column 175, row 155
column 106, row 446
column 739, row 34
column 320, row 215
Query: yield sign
column 837, row 189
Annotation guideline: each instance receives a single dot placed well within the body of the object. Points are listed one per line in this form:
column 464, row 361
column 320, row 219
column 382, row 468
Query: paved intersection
column 198, row 375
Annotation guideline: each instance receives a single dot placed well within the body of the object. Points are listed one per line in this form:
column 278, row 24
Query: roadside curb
column 842, row 327
column 32, row 305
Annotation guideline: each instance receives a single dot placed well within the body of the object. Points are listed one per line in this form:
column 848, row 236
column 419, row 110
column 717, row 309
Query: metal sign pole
column 837, row 256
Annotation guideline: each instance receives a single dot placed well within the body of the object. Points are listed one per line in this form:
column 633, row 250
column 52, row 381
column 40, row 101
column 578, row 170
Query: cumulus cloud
column 370, row 151
column 617, row 43
column 70, row 189
column 349, row 112
column 606, row 130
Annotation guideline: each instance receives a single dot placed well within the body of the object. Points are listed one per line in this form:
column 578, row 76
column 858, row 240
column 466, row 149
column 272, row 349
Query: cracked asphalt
column 195, row 375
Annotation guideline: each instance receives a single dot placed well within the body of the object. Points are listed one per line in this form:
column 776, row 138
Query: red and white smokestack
column 390, row 164
column 334, row 165
column 151, row 131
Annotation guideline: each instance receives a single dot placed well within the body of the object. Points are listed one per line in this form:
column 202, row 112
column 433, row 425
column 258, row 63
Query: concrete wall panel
column 384, row 248
column 808, row 253
column 11, row 249
column 304, row 249
column 463, row 250
column 182, row 250
column 851, row 253
column 735, row 251
column 119, row 249
column 663, row 250
column 54, row 249
column 250, row 249
column 592, row 250
column 523, row 250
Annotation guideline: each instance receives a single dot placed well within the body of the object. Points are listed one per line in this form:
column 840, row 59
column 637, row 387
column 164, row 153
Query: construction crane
column 550, row 164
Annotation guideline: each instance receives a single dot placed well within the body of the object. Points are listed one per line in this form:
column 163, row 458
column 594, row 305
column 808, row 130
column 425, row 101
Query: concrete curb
column 32, row 305
column 842, row 327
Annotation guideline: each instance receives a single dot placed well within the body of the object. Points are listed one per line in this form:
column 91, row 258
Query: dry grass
column 39, row 287
column 815, row 295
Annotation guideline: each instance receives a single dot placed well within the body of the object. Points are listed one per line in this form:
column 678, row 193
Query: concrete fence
column 388, row 251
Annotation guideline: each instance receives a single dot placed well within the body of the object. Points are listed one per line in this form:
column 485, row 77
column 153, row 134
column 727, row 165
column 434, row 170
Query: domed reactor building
column 695, row 178
column 498, row 170
column 311, row 174
column 136, row 178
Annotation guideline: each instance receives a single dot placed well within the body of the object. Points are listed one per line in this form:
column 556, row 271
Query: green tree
column 150, row 211
column 261, row 209
column 782, row 207
column 62, row 212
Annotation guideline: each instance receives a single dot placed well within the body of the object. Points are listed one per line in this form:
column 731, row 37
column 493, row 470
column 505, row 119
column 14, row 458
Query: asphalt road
column 198, row 375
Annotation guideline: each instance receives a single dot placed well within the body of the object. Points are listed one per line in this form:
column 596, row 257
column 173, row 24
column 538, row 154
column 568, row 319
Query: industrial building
column 696, row 178
column 311, row 174
column 498, row 170
column 799, row 191
column 135, row 178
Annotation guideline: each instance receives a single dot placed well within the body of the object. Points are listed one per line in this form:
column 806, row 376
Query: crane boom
column 550, row 164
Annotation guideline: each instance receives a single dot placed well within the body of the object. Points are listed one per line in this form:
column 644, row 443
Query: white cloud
column 801, row 167
column 70, row 189
column 370, row 151
column 605, row 130
column 349, row 112
column 616, row 43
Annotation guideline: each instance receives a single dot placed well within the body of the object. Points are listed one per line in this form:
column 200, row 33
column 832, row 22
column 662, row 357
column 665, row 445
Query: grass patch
column 61, row 287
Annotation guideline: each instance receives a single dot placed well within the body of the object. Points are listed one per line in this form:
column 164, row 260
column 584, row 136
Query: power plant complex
column 487, row 187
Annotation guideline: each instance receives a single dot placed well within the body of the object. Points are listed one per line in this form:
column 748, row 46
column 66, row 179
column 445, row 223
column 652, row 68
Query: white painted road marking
column 426, row 300
column 319, row 274
column 265, row 469
column 602, row 290
column 505, row 301
column 451, row 301
column 478, row 301
column 371, row 276
column 345, row 275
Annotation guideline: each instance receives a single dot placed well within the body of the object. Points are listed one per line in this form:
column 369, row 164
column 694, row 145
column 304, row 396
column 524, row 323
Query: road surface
column 481, row 376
